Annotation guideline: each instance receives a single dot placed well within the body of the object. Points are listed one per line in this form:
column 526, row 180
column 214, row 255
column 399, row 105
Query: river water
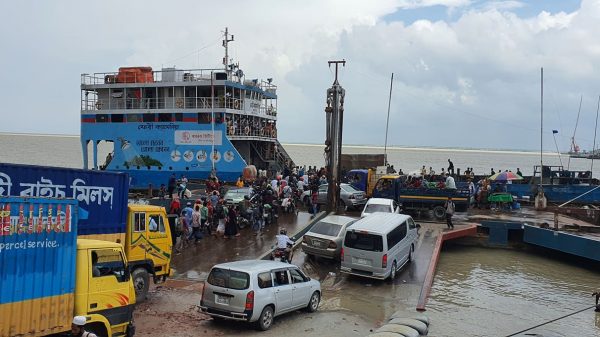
column 476, row 292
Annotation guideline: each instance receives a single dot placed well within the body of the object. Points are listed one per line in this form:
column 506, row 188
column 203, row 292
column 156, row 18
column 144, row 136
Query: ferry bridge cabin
column 190, row 122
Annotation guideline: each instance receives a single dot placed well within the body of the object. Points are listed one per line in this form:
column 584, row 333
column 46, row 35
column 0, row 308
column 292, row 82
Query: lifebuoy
column 236, row 105
column 247, row 130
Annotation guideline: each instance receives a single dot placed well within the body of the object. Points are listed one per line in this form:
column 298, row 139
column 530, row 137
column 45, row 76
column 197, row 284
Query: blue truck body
column 102, row 196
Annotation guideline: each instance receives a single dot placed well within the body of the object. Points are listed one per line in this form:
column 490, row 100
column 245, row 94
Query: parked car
column 350, row 197
column 379, row 245
column 257, row 291
column 325, row 237
column 380, row 205
column 235, row 195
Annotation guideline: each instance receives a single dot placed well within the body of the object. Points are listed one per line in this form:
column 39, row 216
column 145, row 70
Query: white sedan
column 380, row 205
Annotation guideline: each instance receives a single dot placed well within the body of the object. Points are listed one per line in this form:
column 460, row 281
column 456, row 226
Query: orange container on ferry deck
column 135, row 75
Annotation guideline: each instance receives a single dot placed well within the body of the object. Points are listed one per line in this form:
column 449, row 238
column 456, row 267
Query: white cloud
column 478, row 73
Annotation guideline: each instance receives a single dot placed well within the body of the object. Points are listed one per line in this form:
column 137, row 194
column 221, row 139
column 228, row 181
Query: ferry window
column 148, row 117
column 139, row 222
column 116, row 118
column 164, row 117
column 134, row 118
column 178, row 117
column 102, row 118
column 157, row 224
column 297, row 277
column 204, row 118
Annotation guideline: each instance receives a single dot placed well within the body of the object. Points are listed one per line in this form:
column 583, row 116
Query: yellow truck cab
column 148, row 246
column 104, row 291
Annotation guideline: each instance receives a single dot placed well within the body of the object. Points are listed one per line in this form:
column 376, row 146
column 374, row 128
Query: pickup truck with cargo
column 421, row 198
column 103, row 202
column 48, row 275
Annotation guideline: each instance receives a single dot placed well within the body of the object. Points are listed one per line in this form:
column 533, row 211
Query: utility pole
column 226, row 41
column 334, row 119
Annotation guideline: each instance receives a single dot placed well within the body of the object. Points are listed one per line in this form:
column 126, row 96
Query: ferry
column 188, row 122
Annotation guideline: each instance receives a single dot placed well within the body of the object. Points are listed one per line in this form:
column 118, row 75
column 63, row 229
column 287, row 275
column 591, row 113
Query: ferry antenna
column 226, row 41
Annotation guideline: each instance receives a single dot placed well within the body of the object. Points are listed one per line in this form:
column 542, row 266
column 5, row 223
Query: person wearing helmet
column 284, row 243
column 77, row 327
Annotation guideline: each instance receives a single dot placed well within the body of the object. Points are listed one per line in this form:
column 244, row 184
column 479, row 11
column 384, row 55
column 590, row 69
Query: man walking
column 450, row 207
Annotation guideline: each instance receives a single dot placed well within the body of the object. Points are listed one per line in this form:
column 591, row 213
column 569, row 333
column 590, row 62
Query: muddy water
column 493, row 292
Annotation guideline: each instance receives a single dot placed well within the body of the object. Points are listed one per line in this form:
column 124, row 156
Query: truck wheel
column 439, row 213
column 97, row 329
column 141, row 283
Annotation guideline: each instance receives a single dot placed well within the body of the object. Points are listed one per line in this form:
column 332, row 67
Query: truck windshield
column 226, row 278
column 364, row 241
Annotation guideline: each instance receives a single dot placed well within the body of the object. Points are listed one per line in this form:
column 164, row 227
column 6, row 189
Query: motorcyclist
column 284, row 244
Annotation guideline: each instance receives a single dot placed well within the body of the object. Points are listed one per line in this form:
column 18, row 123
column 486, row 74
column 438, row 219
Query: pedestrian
column 231, row 229
column 423, row 171
column 313, row 200
column 450, row 181
column 597, row 294
column 187, row 215
column 175, row 207
column 472, row 192
column 77, row 327
column 240, row 182
column 204, row 217
column 450, row 167
column 196, row 222
column 220, row 213
column 450, row 207
column 431, row 171
column 162, row 192
column 519, row 173
column 492, row 172
column 171, row 185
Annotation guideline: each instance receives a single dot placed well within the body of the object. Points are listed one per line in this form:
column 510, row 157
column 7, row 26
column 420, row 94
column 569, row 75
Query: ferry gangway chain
column 548, row 322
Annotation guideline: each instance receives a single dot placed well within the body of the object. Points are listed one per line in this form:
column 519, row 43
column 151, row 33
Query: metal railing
column 171, row 75
column 97, row 104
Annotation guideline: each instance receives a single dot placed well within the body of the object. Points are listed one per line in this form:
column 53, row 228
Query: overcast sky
column 466, row 72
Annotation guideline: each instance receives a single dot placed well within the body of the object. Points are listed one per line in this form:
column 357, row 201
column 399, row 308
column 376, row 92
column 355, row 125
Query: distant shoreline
column 355, row 146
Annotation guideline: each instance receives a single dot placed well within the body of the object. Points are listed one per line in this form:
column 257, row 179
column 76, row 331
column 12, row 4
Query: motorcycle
column 288, row 205
column 245, row 218
column 282, row 254
column 267, row 214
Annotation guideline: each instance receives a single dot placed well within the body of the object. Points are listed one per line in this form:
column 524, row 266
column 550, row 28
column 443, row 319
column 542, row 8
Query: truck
column 103, row 202
column 48, row 275
column 422, row 198
column 365, row 179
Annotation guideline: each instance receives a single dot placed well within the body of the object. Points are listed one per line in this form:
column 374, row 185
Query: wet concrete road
column 195, row 261
column 350, row 305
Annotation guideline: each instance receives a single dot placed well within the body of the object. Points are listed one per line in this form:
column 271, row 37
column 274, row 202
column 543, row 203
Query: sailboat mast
column 387, row 123
column 573, row 144
column 542, row 128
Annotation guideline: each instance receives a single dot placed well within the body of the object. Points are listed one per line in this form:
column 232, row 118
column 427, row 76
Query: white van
column 379, row 245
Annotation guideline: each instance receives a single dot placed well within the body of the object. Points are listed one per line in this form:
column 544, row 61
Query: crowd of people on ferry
column 242, row 125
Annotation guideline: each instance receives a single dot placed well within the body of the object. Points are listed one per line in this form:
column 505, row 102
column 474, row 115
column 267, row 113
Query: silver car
column 380, row 205
column 350, row 197
column 325, row 237
column 257, row 291
column 235, row 195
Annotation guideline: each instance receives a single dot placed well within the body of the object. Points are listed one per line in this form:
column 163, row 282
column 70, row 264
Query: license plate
column 317, row 243
column 362, row 261
column 222, row 300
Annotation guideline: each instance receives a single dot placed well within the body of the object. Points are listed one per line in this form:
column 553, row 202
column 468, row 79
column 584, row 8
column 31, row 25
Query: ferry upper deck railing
column 99, row 104
column 172, row 75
